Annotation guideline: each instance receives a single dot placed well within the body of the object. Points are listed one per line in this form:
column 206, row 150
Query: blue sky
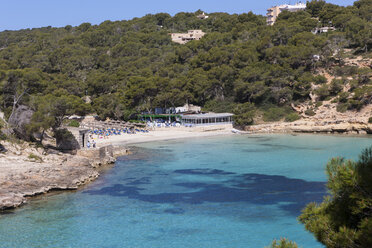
column 19, row 14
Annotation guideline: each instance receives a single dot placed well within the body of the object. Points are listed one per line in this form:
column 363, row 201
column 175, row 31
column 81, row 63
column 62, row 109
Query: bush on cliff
column 74, row 123
column 276, row 113
column 292, row 117
column 310, row 112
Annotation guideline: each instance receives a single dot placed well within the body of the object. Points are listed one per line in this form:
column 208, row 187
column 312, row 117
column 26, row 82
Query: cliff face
column 26, row 171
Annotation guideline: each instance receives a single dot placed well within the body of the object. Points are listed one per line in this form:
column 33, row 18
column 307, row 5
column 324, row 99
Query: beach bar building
column 207, row 119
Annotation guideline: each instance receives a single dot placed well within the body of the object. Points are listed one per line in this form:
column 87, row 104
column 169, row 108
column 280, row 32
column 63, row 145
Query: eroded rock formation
column 27, row 171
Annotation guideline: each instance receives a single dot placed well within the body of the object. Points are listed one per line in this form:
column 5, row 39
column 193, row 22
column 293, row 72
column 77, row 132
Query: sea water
column 231, row 191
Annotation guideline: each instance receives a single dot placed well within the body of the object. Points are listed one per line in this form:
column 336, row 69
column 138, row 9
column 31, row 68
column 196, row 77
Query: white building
column 202, row 16
column 274, row 12
column 188, row 108
column 323, row 30
column 183, row 38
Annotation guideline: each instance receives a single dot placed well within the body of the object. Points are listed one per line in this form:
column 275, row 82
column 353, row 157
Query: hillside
column 261, row 73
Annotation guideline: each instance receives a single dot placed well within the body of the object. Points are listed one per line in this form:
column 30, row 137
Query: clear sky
column 19, row 14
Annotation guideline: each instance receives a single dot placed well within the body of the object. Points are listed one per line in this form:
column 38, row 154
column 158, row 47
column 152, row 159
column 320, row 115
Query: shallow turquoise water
column 234, row 191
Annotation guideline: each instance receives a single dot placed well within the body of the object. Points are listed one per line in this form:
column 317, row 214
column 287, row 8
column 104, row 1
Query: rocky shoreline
column 26, row 171
column 329, row 127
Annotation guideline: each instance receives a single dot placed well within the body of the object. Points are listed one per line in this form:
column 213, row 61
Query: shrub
column 2, row 136
column 323, row 92
column 292, row 117
column 342, row 107
column 370, row 120
column 310, row 112
column 283, row 243
column 216, row 106
column 343, row 96
column 318, row 104
column 336, row 86
column 274, row 114
column 244, row 114
column 136, row 121
column 345, row 70
column 74, row 123
column 35, row 157
column 343, row 219
column 320, row 79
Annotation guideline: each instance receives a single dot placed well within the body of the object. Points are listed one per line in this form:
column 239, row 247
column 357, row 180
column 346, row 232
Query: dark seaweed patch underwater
column 235, row 191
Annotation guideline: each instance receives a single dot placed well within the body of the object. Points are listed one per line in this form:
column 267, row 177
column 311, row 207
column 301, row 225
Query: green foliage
column 345, row 70
column 343, row 97
column 216, row 106
column 35, row 157
column 283, row 243
column 336, row 86
column 74, row 123
column 319, row 79
column 344, row 218
column 342, row 107
column 52, row 109
column 136, row 121
column 126, row 67
column 323, row 92
column 276, row 114
column 310, row 112
column 370, row 120
column 2, row 135
column 292, row 117
column 244, row 114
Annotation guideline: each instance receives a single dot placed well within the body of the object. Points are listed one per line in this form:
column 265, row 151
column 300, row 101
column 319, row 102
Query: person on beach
column 88, row 144
column 94, row 144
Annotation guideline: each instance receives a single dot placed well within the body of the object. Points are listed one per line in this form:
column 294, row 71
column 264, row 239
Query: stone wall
column 71, row 138
column 103, row 155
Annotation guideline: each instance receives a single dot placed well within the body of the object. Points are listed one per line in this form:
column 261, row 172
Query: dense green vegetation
column 118, row 69
column 283, row 243
column 344, row 218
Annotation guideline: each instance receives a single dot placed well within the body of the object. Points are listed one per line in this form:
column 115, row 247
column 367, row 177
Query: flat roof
column 206, row 116
column 160, row 115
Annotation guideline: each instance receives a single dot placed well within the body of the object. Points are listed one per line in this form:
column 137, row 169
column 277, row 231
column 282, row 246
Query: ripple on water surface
column 234, row 191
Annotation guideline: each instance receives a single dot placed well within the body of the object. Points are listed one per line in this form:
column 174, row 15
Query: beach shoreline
column 160, row 135
column 22, row 177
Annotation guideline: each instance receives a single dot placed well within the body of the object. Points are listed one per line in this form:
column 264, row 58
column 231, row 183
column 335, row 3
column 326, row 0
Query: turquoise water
column 234, row 191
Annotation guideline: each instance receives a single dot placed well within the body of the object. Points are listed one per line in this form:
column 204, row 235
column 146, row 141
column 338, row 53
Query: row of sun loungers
column 114, row 131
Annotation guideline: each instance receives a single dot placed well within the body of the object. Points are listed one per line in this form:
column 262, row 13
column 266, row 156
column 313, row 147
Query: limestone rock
column 21, row 178
column 77, row 161
column 21, row 117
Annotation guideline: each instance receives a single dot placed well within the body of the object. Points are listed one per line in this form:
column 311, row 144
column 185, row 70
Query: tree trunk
column 42, row 137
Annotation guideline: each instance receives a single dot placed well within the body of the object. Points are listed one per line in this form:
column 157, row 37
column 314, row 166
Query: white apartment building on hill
column 273, row 12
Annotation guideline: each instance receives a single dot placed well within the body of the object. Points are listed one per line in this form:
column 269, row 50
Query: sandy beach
column 160, row 135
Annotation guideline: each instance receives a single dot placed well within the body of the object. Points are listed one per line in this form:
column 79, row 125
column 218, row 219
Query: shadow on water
column 289, row 194
column 287, row 147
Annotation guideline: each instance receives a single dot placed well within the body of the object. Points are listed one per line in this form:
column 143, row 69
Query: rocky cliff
column 27, row 171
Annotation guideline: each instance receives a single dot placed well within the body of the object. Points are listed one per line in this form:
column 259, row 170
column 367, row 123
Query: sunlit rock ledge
column 23, row 175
